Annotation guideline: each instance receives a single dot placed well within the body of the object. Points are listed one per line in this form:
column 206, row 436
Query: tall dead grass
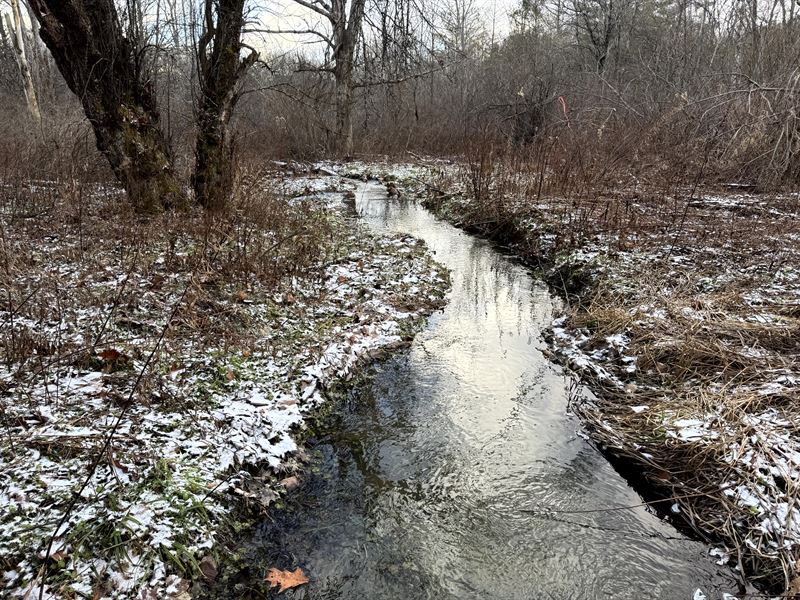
column 63, row 239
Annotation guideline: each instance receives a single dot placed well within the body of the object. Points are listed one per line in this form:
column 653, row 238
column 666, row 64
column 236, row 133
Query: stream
column 423, row 480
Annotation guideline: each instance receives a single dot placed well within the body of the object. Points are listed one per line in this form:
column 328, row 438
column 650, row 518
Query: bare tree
column 345, row 38
column 341, row 42
column 597, row 25
column 221, row 68
column 102, row 67
column 18, row 41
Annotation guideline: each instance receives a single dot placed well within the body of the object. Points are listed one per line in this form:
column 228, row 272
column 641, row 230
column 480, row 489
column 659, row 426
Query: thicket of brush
column 594, row 91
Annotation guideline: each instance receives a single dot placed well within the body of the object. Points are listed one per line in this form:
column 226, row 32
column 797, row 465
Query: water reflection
column 423, row 476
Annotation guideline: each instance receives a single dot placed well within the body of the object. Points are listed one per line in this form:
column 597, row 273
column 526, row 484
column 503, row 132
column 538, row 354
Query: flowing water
column 423, row 481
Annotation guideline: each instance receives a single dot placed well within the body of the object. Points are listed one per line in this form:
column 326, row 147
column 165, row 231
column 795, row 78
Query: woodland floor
column 159, row 375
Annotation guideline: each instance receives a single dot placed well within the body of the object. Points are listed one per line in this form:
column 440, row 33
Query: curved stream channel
column 422, row 479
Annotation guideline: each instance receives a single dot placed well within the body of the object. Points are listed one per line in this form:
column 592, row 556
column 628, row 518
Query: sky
column 287, row 14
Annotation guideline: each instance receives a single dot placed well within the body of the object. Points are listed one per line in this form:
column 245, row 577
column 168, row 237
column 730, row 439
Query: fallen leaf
column 290, row 482
column 110, row 355
column 208, row 567
column 286, row 579
column 114, row 360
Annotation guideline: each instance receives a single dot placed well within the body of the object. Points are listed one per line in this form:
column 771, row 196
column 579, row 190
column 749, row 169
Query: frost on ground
column 218, row 416
column 696, row 354
column 685, row 322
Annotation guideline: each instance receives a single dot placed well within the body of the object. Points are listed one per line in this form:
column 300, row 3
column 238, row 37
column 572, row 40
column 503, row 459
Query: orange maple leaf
column 286, row 579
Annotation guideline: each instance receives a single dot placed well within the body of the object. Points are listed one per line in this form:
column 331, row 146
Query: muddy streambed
column 422, row 479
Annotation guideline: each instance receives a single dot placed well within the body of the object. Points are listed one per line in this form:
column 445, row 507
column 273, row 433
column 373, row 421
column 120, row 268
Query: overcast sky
column 286, row 14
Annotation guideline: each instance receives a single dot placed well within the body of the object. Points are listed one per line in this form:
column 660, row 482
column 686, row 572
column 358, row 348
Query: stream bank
column 683, row 321
column 456, row 469
column 157, row 375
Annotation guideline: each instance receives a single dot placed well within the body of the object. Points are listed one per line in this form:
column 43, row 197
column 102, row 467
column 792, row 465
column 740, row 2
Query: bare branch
column 323, row 9
column 314, row 32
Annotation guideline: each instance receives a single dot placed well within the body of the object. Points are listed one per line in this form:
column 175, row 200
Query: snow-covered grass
column 260, row 312
column 701, row 387
column 684, row 319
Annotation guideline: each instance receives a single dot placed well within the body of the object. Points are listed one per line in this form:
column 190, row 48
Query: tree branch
column 324, row 11
column 319, row 34
column 364, row 84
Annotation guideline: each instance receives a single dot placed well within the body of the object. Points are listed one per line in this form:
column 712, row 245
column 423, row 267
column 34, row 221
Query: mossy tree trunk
column 101, row 66
column 221, row 68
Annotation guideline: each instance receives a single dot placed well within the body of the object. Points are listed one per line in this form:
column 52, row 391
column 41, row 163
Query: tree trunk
column 100, row 65
column 343, row 75
column 3, row 42
column 221, row 69
column 22, row 61
column 213, row 171
column 346, row 30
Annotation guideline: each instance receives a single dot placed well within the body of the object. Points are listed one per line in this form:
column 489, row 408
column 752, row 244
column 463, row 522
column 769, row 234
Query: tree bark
column 22, row 61
column 221, row 69
column 346, row 29
column 101, row 66
column 343, row 75
column 3, row 42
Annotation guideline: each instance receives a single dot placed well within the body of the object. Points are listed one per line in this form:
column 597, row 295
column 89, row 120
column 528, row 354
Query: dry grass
column 67, row 246
column 706, row 357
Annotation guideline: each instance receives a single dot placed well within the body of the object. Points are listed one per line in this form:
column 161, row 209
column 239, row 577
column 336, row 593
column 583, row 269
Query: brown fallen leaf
column 110, row 355
column 208, row 567
column 286, row 579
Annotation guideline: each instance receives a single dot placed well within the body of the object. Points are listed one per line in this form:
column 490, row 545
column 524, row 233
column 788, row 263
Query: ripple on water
column 422, row 481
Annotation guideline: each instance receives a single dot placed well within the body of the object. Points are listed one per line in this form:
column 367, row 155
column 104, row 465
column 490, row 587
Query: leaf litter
column 286, row 579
